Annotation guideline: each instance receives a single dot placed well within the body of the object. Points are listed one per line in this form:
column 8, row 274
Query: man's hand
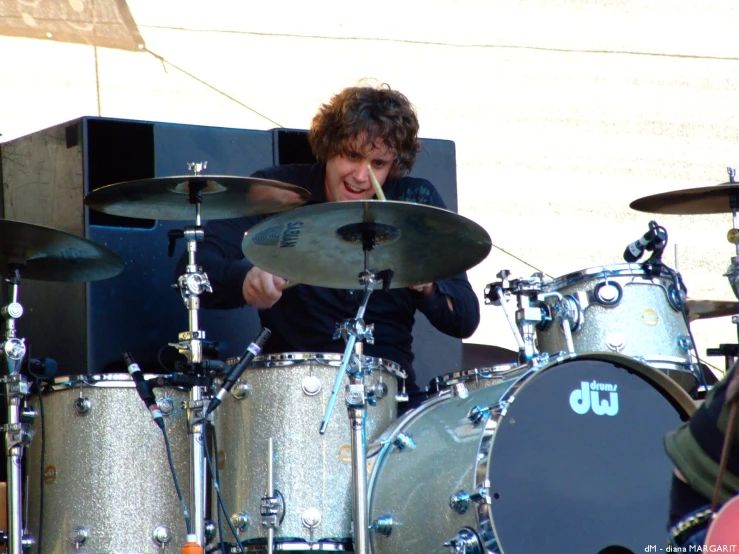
column 261, row 289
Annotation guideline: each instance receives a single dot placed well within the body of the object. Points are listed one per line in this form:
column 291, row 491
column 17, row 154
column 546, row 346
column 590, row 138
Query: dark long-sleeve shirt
column 305, row 318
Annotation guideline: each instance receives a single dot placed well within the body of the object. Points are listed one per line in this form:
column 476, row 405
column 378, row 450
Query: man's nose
column 360, row 172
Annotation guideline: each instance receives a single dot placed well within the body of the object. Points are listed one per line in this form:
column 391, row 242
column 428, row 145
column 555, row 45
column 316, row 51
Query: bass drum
column 565, row 458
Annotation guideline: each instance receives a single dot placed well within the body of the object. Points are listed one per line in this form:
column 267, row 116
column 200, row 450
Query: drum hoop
column 612, row 270
column 329, row 359
column 672, row 392
column 102, row 380
column 485, row 372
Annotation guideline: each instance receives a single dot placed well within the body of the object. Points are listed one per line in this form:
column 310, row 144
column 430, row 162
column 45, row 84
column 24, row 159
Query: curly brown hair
column 367, row 114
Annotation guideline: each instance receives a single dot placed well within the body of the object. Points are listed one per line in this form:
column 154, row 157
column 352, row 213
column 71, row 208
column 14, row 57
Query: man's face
column 347, row 177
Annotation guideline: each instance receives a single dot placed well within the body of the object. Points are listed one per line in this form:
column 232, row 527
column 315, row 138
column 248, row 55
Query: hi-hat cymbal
column 704, row 200
column 223, row 197
column 46, row 254
column 706, row 309
column 321, row 244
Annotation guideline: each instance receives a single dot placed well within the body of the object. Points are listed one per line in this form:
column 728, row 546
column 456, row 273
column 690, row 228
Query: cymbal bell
column 706, row 309
column 45, row 254
column 223, row 197
column 322, row 244
column 714, row 199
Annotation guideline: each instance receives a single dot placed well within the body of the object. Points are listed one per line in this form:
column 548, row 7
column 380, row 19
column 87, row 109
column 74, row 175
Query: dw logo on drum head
column 587, row 397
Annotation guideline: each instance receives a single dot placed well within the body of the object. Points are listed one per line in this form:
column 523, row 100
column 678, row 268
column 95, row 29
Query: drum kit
column 561, row 451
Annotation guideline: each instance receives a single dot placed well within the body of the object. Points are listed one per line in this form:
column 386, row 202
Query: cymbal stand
column 193, row 283
column 353, row 330
column 17, row 433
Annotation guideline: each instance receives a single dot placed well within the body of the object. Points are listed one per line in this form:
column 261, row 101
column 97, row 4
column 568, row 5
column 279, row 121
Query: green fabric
column 699, row 469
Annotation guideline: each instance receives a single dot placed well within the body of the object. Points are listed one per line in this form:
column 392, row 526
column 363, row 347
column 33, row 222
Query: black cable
column 43, row 463
column 221, row 504
column 218, row 480
column 159, row 358
column 185, row 511
column 680, row 287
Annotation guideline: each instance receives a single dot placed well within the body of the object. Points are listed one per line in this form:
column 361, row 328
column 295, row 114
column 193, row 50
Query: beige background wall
column 563, row 112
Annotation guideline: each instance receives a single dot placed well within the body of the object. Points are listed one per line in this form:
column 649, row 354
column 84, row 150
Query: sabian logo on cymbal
column 291, row 234
column 284, row 236
column 268, row 237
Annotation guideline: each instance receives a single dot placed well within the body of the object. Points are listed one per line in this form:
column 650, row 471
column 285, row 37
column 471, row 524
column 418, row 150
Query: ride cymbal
column 715, row 199
column 322, row 244
column 223, row 197
column 45, row 254
column 706, row 309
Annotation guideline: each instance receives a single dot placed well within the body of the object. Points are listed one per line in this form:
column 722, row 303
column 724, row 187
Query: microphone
column 654, row 239
column 144, row 389
column 238, row 368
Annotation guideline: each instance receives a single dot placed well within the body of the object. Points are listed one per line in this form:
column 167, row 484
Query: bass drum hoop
column 668, row 388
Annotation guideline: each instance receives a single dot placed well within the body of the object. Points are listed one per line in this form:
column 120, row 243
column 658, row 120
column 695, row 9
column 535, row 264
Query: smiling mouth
column 352, row 189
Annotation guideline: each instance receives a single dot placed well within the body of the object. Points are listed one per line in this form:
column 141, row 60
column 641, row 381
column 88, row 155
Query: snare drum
column 106, row 479
column 284, row 396
column 622, row 308
column 567, row 457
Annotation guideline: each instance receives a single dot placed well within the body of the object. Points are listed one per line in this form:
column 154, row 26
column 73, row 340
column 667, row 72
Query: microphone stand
column 193, row 283
column 17, row 433
column 352, row 331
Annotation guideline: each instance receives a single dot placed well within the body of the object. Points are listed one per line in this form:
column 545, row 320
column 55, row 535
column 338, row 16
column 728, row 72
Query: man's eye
column 353, row 156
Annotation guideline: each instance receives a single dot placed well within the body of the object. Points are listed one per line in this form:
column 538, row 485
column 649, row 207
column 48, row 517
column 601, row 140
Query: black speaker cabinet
column 86, row 326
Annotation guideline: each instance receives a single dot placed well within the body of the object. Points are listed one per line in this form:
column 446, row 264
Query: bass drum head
column 577, row 460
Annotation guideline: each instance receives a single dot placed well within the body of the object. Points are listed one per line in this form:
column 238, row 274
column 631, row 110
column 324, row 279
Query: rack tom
column 626, row 309
column 284, row 396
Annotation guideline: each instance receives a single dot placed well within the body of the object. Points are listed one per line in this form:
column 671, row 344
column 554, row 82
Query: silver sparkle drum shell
column 105, row 470
column 284, row 396
column 646, row 323
column 520, row 466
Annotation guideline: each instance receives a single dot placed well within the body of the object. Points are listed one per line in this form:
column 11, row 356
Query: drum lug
column 311, row 385
column 477, row 414
column 311, row 518
column 166, row 406
column 684, row 342
column 403, row 441
column 460, row 500
column 376, row 391
column 460, row 390
column 383, row 525
column 78, row 536
column 464, row 542
column 608, row 293
column 28, row 414
column 240, row 521
column 161, row 535
column 82, row 405
column 241, row 390
column 210, row 529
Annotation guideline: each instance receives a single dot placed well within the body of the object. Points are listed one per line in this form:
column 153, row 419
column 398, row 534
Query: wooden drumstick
column 376, row 184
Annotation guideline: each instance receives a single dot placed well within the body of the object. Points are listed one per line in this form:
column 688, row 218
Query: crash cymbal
column 704, row 200
column 321, row 244
column 223, row 197
column 46, row 254
column 706, row 309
